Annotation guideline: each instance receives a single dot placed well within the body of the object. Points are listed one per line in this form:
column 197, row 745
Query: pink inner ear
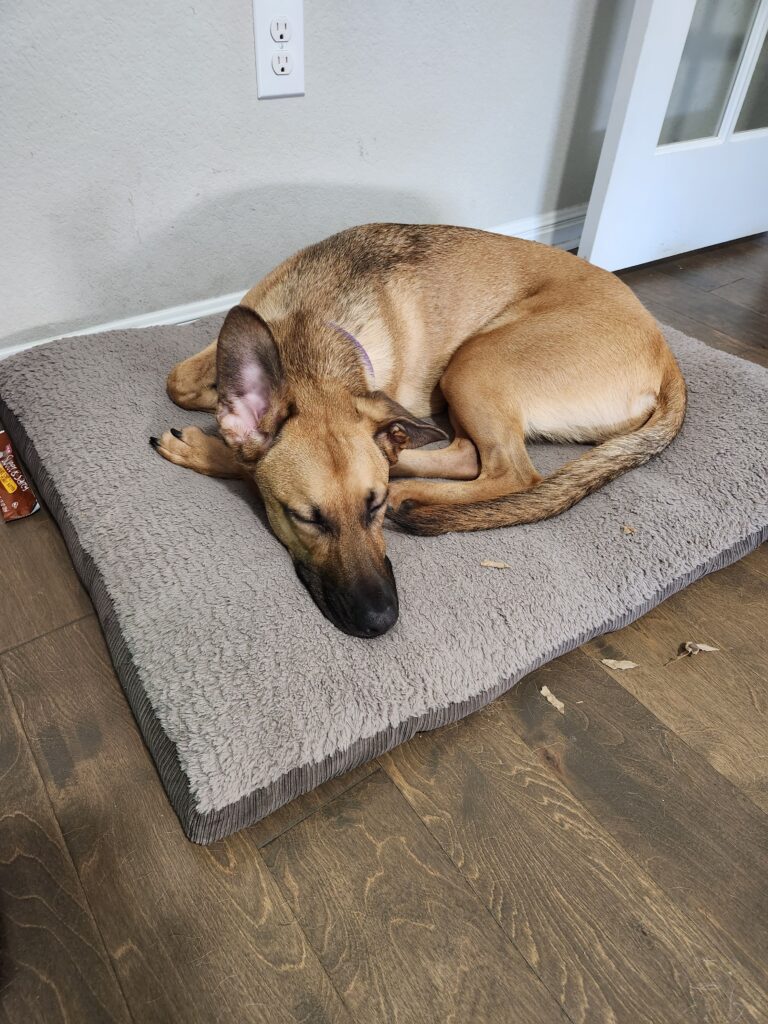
column 244, row 400
column 241, row 416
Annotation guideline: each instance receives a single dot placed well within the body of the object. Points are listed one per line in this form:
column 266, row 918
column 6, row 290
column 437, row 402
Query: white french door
column 685, row 158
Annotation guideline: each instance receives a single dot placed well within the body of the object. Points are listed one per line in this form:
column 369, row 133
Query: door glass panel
column 710, row 60
column 754, row 110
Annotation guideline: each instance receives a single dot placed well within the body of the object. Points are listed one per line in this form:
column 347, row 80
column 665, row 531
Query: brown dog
column 319, row 379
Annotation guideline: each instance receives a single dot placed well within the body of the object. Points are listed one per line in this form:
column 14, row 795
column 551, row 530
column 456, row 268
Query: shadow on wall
column 586, row 101
column 215, row 247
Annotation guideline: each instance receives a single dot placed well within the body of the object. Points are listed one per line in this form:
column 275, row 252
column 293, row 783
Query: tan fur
column 192, row 384
column 336, row 477
column 519, row 340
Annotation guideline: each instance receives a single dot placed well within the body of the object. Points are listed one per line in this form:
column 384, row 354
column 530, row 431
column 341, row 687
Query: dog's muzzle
column 367, row 607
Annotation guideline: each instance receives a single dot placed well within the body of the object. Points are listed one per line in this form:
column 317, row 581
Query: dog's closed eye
column 315, row 518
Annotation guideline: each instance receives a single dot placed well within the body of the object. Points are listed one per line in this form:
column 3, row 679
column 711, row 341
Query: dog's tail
column 567, row 485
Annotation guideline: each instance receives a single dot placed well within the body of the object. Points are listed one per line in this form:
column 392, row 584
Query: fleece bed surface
column 245, row 694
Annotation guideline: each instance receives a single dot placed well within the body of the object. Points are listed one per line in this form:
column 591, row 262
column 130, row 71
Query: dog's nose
column 373, row 607
column 375, row 621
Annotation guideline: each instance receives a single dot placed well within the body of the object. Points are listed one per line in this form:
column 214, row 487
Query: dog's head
column 319, row 453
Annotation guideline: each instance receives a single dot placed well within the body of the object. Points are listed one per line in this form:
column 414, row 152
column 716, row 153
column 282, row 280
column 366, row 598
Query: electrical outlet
column 278, row 27
column 282, row 63
column 280, row 30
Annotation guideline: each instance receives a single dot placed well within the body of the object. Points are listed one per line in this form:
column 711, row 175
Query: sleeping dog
column 322, row 376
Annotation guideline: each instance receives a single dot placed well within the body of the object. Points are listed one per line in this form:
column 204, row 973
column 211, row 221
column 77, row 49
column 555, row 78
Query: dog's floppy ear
column 249, row 378
column 395, row 428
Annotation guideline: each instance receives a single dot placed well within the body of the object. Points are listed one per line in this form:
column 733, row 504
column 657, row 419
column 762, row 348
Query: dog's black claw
column 154, row 442
column 176, row 433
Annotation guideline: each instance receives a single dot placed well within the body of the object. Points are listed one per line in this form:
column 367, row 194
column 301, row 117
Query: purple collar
column 360, row 351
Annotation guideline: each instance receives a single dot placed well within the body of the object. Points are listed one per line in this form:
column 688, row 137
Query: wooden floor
column 608, row 864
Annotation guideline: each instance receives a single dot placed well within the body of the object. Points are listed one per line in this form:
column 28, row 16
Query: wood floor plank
column 717, row 703
column 692, row 830
column 599, row 932
column 40, row 590
column 53, row 964
column 393, row 921
column 747, row 291
column 705, row 270
column 708, row 269
column 292, row 813
column 748, row 254
column 732, row 319
column 757, row 561
column 735, row 599
column 196, row 934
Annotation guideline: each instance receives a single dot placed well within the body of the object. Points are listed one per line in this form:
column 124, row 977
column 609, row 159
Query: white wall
column 139, row 171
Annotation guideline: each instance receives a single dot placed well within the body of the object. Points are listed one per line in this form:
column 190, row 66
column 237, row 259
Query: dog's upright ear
column 249, row 381
column 395, row 428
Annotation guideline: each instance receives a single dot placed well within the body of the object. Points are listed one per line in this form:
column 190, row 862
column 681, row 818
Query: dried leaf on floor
column 626, row 528
column 547, row 694
column 689, row 648
column 490, row 564
column 622, row 666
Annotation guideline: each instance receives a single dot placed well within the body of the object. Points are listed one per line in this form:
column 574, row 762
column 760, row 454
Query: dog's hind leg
column 483, row 409
column 505, row 472
column 191, row 384
column 193, row 449
column 456, row 461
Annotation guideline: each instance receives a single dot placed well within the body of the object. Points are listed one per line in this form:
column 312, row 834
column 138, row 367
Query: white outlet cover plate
column 270, row 85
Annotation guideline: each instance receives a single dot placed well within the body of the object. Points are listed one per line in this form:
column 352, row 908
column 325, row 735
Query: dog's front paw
column 193, row 449
column 180, row 446
column 414, row 517
column 400, row 504
column 400, row 492
column 410, row 508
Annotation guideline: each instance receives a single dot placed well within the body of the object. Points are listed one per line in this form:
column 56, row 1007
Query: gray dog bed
column 245, row 694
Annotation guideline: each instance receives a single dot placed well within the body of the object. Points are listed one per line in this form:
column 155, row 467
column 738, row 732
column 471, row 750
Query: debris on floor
column 689, row 648
column 626, row 528
column 547, row 694
column 487, row 563
column 622, row 666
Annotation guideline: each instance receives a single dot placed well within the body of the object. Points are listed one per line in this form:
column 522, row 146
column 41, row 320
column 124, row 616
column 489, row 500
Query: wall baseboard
column 560, row 228
column 183, row 314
